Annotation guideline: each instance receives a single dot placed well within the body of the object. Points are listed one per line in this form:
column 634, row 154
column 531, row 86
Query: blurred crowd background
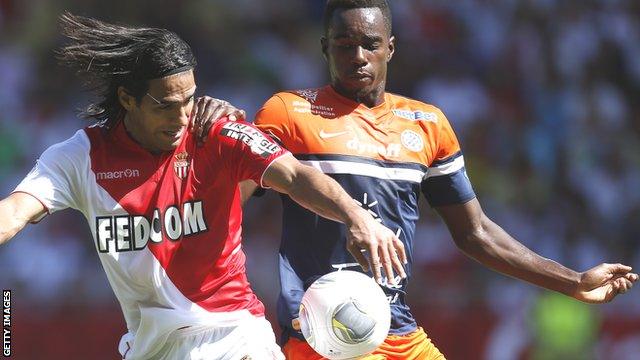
column 543, row 94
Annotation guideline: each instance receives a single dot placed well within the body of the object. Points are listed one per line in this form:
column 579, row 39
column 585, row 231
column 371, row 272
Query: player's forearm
column 9, row 231
column 324, row 196
column 16, row 211
column 10, row 224
column 494, row 248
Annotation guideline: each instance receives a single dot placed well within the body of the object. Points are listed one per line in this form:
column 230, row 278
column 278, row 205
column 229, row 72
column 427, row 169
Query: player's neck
column 135, row 133
column 370, row 99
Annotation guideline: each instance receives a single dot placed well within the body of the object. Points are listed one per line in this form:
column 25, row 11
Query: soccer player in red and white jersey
column 386, row 150
column 165, row 212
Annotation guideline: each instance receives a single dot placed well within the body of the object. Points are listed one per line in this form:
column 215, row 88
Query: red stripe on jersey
column 203, row 265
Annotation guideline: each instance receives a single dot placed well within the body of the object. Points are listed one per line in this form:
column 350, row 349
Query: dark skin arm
column 207, row 111
column 477, row 236
column 481, row 239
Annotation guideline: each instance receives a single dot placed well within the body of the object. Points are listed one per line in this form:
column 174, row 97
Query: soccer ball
column 344, row 315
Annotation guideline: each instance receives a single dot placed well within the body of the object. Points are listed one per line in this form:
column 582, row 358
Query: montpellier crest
column 309, row 94
column 181, row 164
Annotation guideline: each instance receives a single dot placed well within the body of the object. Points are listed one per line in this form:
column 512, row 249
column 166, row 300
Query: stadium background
column 543, row 95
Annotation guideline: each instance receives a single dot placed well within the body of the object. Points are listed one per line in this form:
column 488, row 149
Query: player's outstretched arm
column 480, row 238
column 324, row 196
column 16, row 211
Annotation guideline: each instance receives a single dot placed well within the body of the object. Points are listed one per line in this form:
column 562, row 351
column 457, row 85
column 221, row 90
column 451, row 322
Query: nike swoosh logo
column 326, row 135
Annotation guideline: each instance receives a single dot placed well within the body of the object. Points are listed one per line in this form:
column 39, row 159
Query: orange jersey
column 323, row 122
column 384, row 157
column 413, row 346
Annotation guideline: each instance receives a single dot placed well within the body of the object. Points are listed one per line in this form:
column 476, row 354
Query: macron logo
column 122, row 174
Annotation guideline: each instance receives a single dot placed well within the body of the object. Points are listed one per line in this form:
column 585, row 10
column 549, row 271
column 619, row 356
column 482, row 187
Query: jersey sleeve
column 53, row 180
column 246, row 151
column 446, row 181
column 273, row 119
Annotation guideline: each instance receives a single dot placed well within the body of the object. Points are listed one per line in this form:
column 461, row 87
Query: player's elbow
column 16, row 211
column 302, row 178
column 473, row 242
column 282, row 175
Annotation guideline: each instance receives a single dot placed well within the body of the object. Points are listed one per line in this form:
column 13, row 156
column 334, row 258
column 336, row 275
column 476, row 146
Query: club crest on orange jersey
column 181, row 164
column 309, row 94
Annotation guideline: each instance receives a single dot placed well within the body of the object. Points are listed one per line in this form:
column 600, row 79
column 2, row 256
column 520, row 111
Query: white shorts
column 249, row 340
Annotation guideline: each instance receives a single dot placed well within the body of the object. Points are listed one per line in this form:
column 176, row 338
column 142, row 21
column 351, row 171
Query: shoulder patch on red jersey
column 259, row 144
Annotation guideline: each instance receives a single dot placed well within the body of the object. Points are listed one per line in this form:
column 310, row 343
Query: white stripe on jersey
column 152, row 305
column 447, row 168
column 356, row 168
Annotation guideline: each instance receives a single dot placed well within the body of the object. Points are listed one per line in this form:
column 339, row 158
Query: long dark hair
column 106, row 56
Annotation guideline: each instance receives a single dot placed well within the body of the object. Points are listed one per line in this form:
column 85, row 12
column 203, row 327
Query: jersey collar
column 379, row 111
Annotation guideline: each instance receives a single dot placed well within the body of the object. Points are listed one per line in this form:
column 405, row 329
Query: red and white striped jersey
column 167, row 227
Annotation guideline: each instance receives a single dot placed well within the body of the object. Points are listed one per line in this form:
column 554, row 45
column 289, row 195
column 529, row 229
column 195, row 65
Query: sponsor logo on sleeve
column 274, row 137
column 416, row 115
column 257, row 142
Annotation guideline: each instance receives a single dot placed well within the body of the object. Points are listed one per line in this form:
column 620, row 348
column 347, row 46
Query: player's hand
column 603, row 282
column 383, row 247
column 207, row 111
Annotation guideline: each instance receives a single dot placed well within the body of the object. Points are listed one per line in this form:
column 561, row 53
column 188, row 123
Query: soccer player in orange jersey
column 385, row 150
